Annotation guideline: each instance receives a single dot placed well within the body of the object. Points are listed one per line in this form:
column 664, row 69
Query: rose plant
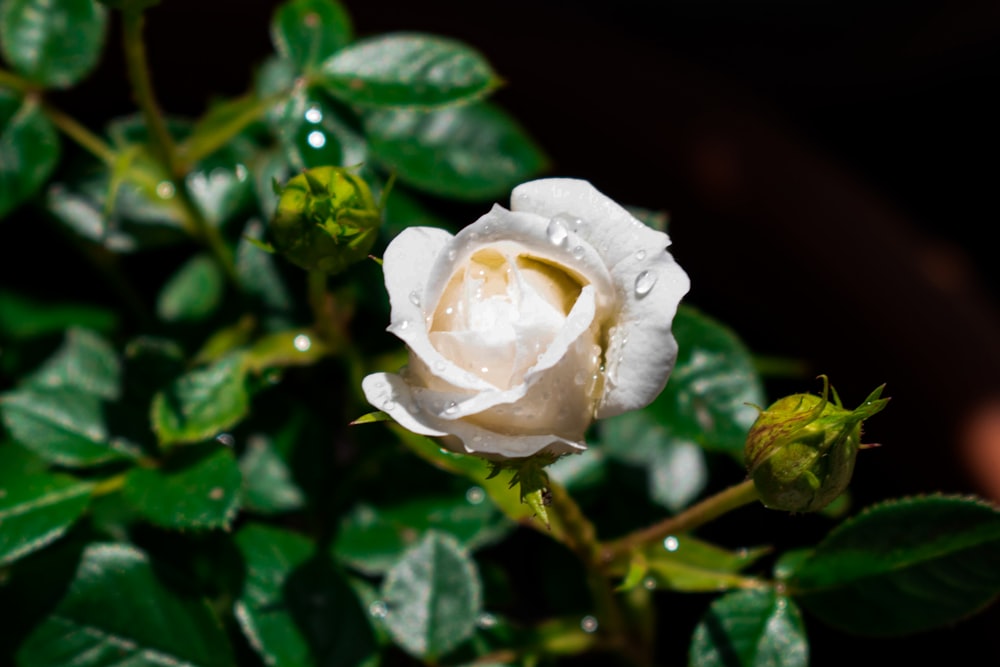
column 190, row 472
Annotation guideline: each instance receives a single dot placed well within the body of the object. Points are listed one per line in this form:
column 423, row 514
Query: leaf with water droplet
column 434, row 595
column 307, row 32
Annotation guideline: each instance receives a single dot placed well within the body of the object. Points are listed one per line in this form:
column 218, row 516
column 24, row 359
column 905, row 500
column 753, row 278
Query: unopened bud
column 801, row 450
column 326, row 219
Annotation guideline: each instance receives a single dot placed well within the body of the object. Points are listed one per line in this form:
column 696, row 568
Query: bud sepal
column 801, row 450
column 326, row 219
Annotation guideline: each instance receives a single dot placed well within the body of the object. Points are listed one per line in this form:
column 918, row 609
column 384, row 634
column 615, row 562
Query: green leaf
column 307, row 32
column 903, row 566
column 29, row 149
column 372, row 539
column 402, row 211
column 193, row 292
column 408, row 70
column 118, row 611
column 750, row 629
column 52, row 42
column 85, row 361
column 258, row 273
column 36, row 506
column 676, row 469
column 294, row 609
column 469, row 151
column 312, row 133
column 22, row 318
column 298, row 347
column 202, row 403
column 198, row 488
column 713, row 388
column 432, row 597
column 685, row 563
column 268, row 486
column 63, row 425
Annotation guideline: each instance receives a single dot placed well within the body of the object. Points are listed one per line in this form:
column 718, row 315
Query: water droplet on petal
column 403, row 325
column 415, row 298
column 388, row 406
column 452, row 408
column 640, row 255
column 556, row 231
column 588, row 624
column 578, row 252
column 671, row 543
column 439, row 366
column 644, row 282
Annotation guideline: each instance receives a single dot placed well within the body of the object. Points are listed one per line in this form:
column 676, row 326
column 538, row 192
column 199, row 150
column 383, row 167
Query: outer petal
column 641, row 349
column 390, row 394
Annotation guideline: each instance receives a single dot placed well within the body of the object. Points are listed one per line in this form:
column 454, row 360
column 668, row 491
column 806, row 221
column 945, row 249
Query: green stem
column 81, row 135
column 581, row 537
column 162, row 142
column 12, row 81
column 704, row 512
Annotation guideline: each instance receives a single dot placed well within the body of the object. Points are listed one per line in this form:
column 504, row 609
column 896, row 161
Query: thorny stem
column 163, row 143
column 707, row 510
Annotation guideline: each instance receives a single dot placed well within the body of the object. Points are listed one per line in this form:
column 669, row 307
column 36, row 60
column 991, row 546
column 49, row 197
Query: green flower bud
column 801, row 450
column 326, row 219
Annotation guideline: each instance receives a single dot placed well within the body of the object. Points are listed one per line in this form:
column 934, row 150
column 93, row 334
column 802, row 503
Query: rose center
column 499, row 312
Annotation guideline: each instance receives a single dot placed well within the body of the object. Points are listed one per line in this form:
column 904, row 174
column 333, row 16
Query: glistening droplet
column 415, row 298
column 588, row 624
column 556, row 231
column 644, row 282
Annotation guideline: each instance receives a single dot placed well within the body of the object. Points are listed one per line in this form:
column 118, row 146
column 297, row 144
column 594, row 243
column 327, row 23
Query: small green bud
column 801, row 450
column 326, row 219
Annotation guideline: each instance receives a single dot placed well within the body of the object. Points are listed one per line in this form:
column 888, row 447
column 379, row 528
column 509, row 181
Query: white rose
column 529, row 323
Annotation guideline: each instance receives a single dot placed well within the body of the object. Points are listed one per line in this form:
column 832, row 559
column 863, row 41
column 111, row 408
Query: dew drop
column 439, row 366
column 452, row 408
column 588, row 624
column 486, row 620
column 165, row 190
column 644, row 282
column 578, row 252
column 302, row 343
column 378, row 609
column 475, row 495
column 388, row 406
column 226, row 439
column 451, row 255
column 314, row 115
column 316, row 139
column 556, row 231
column 403, row 325
column 671, row 543
column 414, row 298
column 640, row 255
column 649, row 583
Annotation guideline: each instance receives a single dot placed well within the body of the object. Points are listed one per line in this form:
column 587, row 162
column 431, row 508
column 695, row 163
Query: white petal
column 412, row 261
column 390, row 394
column 640, row 358
column 639, row 368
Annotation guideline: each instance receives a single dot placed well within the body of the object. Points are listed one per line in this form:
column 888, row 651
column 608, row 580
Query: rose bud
column 326, row 219
column 529, row 323
column 801, row 450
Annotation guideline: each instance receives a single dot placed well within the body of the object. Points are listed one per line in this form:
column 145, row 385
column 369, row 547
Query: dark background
column 830, row 171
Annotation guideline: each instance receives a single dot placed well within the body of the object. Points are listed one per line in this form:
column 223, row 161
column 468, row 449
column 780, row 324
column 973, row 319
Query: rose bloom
column 529, row 323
